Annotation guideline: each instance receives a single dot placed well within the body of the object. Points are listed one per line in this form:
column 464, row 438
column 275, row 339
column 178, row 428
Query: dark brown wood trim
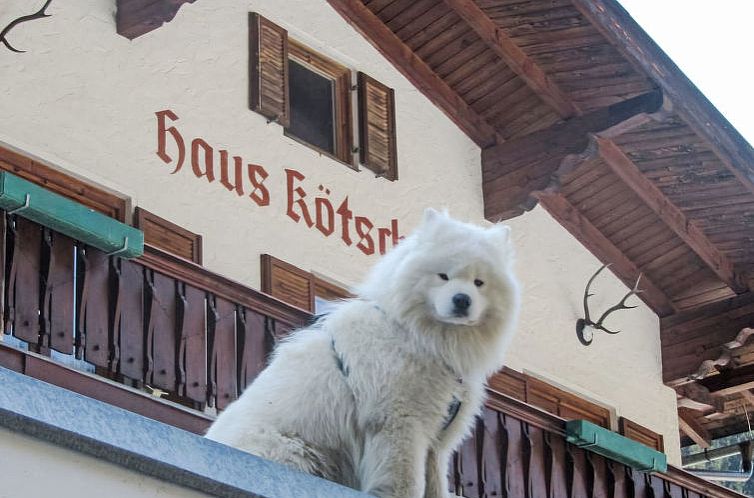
column 416, row 71
column 202, row 278
column 168, row 236
column 697, row 484
column 104, row 390
column 64, row 184
column 341, row 77
column 586, row 233
column 696, row 110
column 626, row 170
column 134, row 18
column 514, row 57
column 523, row 411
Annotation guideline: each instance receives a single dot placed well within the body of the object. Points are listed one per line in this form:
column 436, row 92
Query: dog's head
column 449, row 272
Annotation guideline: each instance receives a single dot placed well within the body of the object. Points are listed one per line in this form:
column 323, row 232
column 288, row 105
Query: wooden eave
column 576, row 108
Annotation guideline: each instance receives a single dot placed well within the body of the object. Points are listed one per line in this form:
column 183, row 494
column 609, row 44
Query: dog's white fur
column 362, row 396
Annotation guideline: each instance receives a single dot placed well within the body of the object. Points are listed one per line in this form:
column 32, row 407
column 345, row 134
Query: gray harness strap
column 453, row 408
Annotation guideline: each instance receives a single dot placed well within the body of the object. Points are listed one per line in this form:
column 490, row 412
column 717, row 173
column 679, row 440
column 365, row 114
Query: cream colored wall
column 622, row 371
column 84, row 99
column 33, row 468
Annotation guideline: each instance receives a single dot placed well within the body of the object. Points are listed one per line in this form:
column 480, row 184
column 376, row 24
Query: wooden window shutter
column 268, row 69
column 163, row 234
column 641, row 434
column 564, row 404
column 377, row 150
column 288, row 283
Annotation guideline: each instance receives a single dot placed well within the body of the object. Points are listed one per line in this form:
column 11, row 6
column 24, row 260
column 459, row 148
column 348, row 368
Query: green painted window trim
column 611, row 445
column 69, row 217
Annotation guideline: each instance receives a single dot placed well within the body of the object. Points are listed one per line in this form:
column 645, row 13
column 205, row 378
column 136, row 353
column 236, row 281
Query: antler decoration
column 15, row 22
column 585, row 327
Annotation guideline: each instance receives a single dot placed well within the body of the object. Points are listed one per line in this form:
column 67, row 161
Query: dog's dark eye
column 443, row 276
column 478, row 283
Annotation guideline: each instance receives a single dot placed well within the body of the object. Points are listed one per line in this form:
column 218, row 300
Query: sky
column 712, row 41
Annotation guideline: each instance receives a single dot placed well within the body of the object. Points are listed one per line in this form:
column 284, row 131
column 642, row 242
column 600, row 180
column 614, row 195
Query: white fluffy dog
column 378, row 394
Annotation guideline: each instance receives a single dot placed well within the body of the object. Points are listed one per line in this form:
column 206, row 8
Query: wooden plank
column 93, row 317
column 253, row 346
column 626, row 170
column 730, row 381
column 58, row 301
column 416, row 71
column 23, row 290
column 604, row 250
column 691, row 427
column 194, row 332
column 491, row 466
column 524, row 66
column 221, row 338
column 162, row 330
column 128, row 320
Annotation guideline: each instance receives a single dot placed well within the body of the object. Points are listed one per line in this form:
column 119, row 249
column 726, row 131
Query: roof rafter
column 416, row 71
column 625, row 169
column 514, row 57
column 617, row 26
column 693, row 429
column 567, row 215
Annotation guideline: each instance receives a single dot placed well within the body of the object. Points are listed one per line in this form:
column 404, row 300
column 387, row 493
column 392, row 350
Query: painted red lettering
column 391, row 232
column 345, row 221
column 161, row 145
column 257, row 176
column 325, row 216
column 291, row 176
column 209, row 168
column 237, row 184
column 363, row 228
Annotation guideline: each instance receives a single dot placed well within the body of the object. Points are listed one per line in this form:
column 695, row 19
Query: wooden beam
column 691, row 105
column 697, row 397
column 581, row 228
column 693, row 236
column 416, row 71
column 748, row 397
column 516, row 59
column 134, row 18
column 731, row 381
column 511, row 171
column 692, row 428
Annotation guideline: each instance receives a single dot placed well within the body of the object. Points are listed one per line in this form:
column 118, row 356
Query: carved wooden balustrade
column 163, row 324
column 157, row 322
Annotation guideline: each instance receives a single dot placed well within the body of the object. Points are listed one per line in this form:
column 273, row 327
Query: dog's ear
column 430, row 216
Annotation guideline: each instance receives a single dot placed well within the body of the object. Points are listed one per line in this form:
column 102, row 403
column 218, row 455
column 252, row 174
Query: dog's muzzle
column 461, row 304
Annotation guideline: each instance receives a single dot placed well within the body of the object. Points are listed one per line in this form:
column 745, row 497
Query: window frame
column 340, row 75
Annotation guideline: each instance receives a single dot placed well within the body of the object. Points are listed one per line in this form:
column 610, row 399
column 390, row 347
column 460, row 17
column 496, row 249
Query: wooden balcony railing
column 166, row 325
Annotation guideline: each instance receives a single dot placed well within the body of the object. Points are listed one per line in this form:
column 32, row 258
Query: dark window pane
column 311, row 107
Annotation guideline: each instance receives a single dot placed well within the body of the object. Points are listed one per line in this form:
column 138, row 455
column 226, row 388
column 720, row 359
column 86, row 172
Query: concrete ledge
column 47, row 412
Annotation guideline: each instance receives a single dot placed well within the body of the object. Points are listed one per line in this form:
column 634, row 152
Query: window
column 299, row 287
column 320, row 111
column 310, row 96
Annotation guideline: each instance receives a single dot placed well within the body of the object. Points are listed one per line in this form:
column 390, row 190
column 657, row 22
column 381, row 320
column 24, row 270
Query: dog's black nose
column 461, row 302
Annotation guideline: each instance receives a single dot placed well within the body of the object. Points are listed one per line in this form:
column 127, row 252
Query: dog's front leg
column 436, row 475
column 393, row 464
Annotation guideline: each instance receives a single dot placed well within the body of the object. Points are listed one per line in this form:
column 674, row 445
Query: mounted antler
column 585, row 326
column 15, row 22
